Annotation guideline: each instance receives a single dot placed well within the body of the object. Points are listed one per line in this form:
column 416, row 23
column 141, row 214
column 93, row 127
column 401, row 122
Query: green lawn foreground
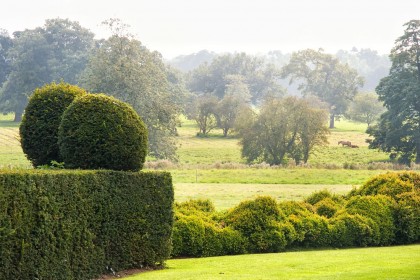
column 400, row 262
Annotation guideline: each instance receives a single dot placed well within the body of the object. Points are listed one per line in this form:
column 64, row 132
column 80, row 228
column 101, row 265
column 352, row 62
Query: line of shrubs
column 74, row 224
column 384, row 211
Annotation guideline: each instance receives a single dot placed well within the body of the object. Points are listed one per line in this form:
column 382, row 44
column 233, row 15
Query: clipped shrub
column 352, row 230
column 39, row 127
column 380, row 209
column 259, row 221
column 68, row 225
column 193, row 205
column 407, row 218
column 311, row 230
column 195, row 234
column 391, row 184
column 316, row 197
column 326, row 207
column 295, row 208
column 101, row 132
column 188, row 236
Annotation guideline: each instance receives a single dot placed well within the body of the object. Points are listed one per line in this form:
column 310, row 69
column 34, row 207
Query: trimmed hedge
column 384, row 211
column 39, row 127
column 80, row 224
column 198, row 233
column 101, row 132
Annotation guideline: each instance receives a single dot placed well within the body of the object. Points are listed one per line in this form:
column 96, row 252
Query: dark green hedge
column 39, row 127
column 80, row 224
column 102, row 132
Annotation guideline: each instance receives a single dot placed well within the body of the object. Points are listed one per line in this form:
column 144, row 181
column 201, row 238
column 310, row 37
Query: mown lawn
column 274, row 176
column 225, row 196
column 401, row 262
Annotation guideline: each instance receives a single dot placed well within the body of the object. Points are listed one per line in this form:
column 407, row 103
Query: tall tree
column 236, row 98
column 5, row 44
column 56, row 51
column 205, row 113
column 260, row 77
column 283, row 127
column 124, row 68
column 29, row 69
column 365, row 108
column 399, row 128
column 70, row 46
column 324, row 76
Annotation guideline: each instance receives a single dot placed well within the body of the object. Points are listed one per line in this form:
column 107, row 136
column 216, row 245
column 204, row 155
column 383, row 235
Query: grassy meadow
column 400, row 262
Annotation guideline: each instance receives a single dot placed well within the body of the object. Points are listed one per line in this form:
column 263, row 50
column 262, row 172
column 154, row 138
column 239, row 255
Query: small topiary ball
column 101, row 132
column 39, row 127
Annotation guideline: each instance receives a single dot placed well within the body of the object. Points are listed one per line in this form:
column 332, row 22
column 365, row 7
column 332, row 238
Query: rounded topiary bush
column 391, row 184
column 380, row 209
column 101, row 132
column 260, row 222
column 326, row 207
column 39, row 127
column 353, row 230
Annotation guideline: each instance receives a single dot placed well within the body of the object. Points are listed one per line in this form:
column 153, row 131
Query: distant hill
column 189, row 62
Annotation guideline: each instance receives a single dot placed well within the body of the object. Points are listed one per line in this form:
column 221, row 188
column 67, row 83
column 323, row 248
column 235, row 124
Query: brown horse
column 344, row 143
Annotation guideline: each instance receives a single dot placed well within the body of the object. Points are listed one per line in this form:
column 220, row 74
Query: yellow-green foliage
column 362, row 218
column 259, row 222
column 391, row 184
column 75, row 224
column 198, row 233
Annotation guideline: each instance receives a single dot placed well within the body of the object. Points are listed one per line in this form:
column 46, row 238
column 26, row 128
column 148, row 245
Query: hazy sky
column 186, row 26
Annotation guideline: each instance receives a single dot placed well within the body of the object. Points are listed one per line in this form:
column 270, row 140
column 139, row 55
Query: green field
column 225, row 196
column 366, row 263
column 215, row 148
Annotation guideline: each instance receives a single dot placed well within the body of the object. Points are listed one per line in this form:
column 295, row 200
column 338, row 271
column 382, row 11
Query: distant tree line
column 227, row 91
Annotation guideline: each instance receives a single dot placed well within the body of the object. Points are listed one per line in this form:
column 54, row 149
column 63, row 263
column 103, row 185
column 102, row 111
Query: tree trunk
column 18, row 116
column 332, row 119
column 418, row 151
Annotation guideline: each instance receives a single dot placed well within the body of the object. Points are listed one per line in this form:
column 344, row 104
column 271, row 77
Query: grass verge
column 402, row 262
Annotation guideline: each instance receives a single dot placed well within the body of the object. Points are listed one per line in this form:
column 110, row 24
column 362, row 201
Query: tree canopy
column 56, row 51
column 399, row 128
column 324, row 76
column 261, row 78
column 284, row 127
column 122, row 67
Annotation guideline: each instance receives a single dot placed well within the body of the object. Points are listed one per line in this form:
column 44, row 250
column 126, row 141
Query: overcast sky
column 187, row 26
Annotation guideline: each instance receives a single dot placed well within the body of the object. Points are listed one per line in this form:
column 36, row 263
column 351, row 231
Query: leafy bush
column 352, row 230
column 379, row 208
column 75, row 224
column 39, row 126
column 198, row 234
column 407, row 218
column 295, row 208
column 390, row 184
column 311, row 230
column 188, row 236
column 101, row 132
column 259, row 221
column 326, row 207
